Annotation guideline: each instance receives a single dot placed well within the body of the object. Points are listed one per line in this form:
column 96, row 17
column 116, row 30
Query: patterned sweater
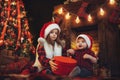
column 44, row 60
column 84, row 63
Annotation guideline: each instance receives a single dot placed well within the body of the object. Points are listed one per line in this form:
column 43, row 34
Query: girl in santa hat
column 84, row 56
column 50, row 46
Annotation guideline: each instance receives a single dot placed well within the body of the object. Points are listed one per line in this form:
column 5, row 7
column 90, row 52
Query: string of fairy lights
column 90, row 18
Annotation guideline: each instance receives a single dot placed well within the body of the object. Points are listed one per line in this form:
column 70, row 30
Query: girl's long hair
column 58, row 41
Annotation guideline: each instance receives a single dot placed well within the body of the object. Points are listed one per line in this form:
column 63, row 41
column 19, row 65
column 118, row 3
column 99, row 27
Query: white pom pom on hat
column 87, row 38
column 47, row 27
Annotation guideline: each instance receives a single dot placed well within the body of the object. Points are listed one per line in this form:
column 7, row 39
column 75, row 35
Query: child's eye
column 55, row 32
column 51, row 32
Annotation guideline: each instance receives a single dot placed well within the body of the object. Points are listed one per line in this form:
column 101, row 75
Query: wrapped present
column 64, row 65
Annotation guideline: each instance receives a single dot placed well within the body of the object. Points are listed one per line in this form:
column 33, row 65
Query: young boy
column 84, row 56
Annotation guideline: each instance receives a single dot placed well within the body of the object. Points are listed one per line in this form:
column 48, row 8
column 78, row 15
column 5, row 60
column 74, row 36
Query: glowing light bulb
column 13, row 3
column 89, row 18
column 111, row 2
column 77, row 20
column 60, row 11
column 102, row 12
column 67, row 16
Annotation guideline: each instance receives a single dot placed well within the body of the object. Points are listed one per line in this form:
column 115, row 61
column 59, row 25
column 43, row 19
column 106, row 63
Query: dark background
column 38, row 13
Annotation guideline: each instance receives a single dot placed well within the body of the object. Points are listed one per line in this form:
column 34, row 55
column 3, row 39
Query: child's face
column 53, row 34
column 81, row 43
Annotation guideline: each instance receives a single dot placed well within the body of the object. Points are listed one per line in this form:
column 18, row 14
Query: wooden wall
column 109, row 55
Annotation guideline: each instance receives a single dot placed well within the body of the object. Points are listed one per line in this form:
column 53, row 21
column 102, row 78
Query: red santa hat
column 87, row 38
column 47, row 27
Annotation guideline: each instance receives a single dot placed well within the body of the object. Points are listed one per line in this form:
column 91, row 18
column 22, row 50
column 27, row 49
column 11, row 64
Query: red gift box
column 64, row 65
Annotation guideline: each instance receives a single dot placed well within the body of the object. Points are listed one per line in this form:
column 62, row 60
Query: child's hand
column 93, row 59
column 70, row 51
column 86, row 56
column 53, row 65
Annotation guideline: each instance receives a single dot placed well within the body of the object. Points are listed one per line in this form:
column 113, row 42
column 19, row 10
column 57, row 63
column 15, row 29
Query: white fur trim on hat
column 41, row 40
column 51, row 27
column 87, row 39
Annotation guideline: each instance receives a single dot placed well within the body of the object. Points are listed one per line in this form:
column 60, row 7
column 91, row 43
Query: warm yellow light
column 60, row 11
column 13, row 3
column 89, row 18
column 111, row 2
column 77, row 20
column 67, row 16
column 102, row 12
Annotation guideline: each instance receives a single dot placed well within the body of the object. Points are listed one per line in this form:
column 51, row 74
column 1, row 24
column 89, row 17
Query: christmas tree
column 15, row 36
